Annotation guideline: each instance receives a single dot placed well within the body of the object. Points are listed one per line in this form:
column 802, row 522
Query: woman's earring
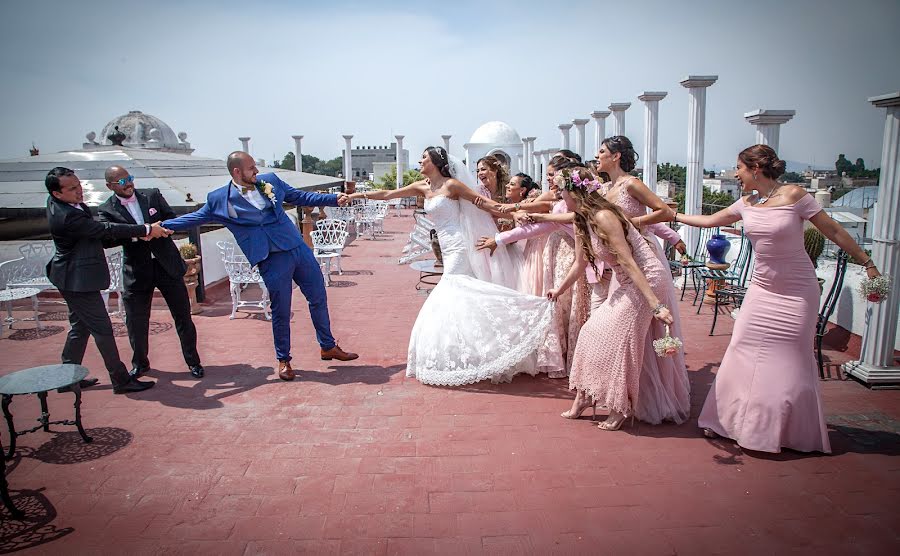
column 754, row 175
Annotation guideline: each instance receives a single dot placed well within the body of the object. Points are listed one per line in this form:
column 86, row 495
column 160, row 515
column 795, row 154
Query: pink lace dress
column 766, row 393
column 611, row 357
column 665, row 389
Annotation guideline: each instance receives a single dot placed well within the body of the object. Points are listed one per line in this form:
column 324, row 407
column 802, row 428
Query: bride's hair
column 587, row 204
column 439, row 158
column 496, row 166
column 622, row 145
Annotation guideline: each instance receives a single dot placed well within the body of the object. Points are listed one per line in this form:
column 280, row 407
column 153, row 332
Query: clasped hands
column 343, row 199
column 157, row 231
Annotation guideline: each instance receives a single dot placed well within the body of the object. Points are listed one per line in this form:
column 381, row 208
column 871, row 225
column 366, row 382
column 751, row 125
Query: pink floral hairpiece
column 590, row 185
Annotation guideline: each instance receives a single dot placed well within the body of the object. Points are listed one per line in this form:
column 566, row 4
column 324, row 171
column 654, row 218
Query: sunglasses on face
column 123, row 181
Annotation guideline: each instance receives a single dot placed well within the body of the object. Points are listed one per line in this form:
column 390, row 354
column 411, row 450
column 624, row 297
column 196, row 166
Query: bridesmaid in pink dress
column 766, row 393
column 665, row 388
column 610, row 357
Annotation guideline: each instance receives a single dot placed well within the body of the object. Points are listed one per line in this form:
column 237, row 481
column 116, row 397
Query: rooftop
column 356, row 458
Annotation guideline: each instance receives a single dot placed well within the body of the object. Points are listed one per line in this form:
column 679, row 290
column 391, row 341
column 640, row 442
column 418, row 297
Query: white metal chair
column 9, row 270
column 364, row 216
column 331, row 224
column 328, row 246
column 241, row 274
column 31, row 271
column 381, row 210
column 114, row 262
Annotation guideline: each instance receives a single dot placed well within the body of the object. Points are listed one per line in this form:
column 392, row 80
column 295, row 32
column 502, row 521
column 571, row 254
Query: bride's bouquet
column 668, row 345
column 686, row 260
column 875, row 289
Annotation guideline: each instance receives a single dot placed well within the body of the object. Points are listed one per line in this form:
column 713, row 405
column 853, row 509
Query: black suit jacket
column 79, row 264
column 138, row 262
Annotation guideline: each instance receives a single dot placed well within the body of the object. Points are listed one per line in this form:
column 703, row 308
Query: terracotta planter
column 349, row 187
column 191, row 277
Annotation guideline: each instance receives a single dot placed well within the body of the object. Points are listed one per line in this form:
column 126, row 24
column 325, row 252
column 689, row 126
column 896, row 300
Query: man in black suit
column 79, row 270
column 148, row 265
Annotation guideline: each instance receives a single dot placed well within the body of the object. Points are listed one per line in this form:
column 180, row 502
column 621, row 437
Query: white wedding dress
column 470, row 328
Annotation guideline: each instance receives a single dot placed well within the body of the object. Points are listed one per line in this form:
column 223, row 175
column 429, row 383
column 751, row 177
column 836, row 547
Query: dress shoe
column 285, row 372
column 337, row 353
column 197, row 371
column 84, row 383
column 133, row 385
column 136, row 372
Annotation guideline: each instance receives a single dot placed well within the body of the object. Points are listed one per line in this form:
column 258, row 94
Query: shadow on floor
column 68, row 447
column 351, row 374
column 35, row 529
column 180, row 389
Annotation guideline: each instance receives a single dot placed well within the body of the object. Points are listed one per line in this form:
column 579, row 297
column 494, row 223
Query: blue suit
column 270, row 240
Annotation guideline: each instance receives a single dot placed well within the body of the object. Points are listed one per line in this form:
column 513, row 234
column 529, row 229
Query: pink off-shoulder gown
column 766, row 393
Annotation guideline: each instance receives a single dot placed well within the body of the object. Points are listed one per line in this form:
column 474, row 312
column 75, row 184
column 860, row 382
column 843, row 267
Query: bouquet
column 875, row 289
column 686, row 260
column 668, row 345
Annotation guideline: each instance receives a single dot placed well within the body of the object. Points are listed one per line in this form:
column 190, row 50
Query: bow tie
column 129, row 200
column 247, row 189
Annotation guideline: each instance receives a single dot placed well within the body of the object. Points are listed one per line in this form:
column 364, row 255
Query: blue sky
column 269, row 69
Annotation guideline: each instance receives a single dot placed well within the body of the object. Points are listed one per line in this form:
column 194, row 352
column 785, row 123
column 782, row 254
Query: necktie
column 129, row 200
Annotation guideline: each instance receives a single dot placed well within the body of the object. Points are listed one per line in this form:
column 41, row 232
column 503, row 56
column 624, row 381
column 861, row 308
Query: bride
column 474, row 325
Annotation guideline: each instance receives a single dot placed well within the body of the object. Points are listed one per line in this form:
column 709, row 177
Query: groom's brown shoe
column 285, row 372
column 337, row 353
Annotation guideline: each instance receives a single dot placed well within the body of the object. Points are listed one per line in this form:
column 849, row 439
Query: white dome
column 496, row 133
column 136, row 126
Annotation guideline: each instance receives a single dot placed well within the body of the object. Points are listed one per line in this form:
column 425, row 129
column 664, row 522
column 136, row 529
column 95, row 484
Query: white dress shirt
column 133, row 208
column 254, row 197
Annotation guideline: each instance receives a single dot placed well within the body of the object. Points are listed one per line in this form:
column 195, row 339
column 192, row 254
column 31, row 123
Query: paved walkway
column 353, row 458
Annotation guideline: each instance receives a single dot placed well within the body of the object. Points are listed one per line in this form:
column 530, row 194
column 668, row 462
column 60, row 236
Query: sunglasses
column 123, row 181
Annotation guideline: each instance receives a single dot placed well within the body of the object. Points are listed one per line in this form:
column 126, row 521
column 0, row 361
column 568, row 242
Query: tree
column 791, row 177
column 287, row 163
column 860, row 167
column 671, row 172
column 842, row 165
column 389, row 179
column 712, row 201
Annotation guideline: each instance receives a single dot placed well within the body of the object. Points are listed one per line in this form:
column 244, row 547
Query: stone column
column 579, row 135
column 348, row 159
column 876, row 364
column 446, row 139
column 298, row 156
column 618, row 109
column 536, row 169
column 400, row 168
column 600, row 129
column 651, row 134
column 526, row 156
column 768, row 125
column 245, row 144
column 693, row 187
column 564, row 132
column 531, row 159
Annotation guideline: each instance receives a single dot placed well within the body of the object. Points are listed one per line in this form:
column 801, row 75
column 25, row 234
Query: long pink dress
column 611, row 358
column 665, row 393
column 766, row 393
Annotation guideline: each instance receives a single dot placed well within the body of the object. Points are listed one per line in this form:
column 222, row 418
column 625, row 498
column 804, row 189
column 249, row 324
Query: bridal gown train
column 470, row 330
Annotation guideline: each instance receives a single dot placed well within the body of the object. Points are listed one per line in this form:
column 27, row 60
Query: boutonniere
column 152, row 211
column 266, row 189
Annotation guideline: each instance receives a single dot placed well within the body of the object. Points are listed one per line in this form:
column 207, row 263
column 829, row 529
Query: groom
column 252, row 210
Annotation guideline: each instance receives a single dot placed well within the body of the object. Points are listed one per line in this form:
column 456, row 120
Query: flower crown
column 571, row 180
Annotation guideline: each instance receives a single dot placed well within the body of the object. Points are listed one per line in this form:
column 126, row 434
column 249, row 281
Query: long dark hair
column 527, row 184
column 496, row 166
column 439, row 158
column 622, row 145
column 764, row 158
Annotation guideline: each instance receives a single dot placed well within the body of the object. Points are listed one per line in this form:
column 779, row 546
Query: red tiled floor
column 353, row 458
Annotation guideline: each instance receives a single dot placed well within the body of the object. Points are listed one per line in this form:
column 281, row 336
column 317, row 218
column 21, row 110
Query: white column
column 768, row 125
column 526, row 156
column 446, row 139
column 651, row 134
column 520, row 161
column 546, row 155
column 600, row 129
column 530, row 164
column 618, row 109
column 245, row 144
column 564, row 132
column 400, row 168
column 348, row 162
column 579, row 135
column 693, row 187
column 876, row 365
column 298, row 156
column 536, row 168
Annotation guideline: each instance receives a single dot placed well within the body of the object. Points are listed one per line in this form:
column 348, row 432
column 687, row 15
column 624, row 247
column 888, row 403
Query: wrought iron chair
column 10, row 271
column 114, row 262
column 240, row 275
column 732, row 294
column 327, row 247
column 381, row 210
column 732, row 275
column 364, row 215
column 840, row 269
column 331, row 224
column 33, row 266
column 698, row 260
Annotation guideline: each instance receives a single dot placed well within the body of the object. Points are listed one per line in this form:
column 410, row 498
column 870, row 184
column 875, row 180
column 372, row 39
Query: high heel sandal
column 616, row 425
column 569, row 415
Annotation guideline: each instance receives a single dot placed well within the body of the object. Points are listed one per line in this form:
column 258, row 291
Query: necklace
column 761, row 200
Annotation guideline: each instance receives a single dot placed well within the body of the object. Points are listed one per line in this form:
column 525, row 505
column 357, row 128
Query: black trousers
column 137, row 316
column 88, row 317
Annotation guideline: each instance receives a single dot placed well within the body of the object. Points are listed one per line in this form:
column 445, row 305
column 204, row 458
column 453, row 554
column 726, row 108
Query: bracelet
column 517, row 206
column 659, row 307
column 867, row 262
column 675, row 218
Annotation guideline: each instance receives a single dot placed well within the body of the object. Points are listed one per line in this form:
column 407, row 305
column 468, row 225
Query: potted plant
column 814, row 244
column 192, row 260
